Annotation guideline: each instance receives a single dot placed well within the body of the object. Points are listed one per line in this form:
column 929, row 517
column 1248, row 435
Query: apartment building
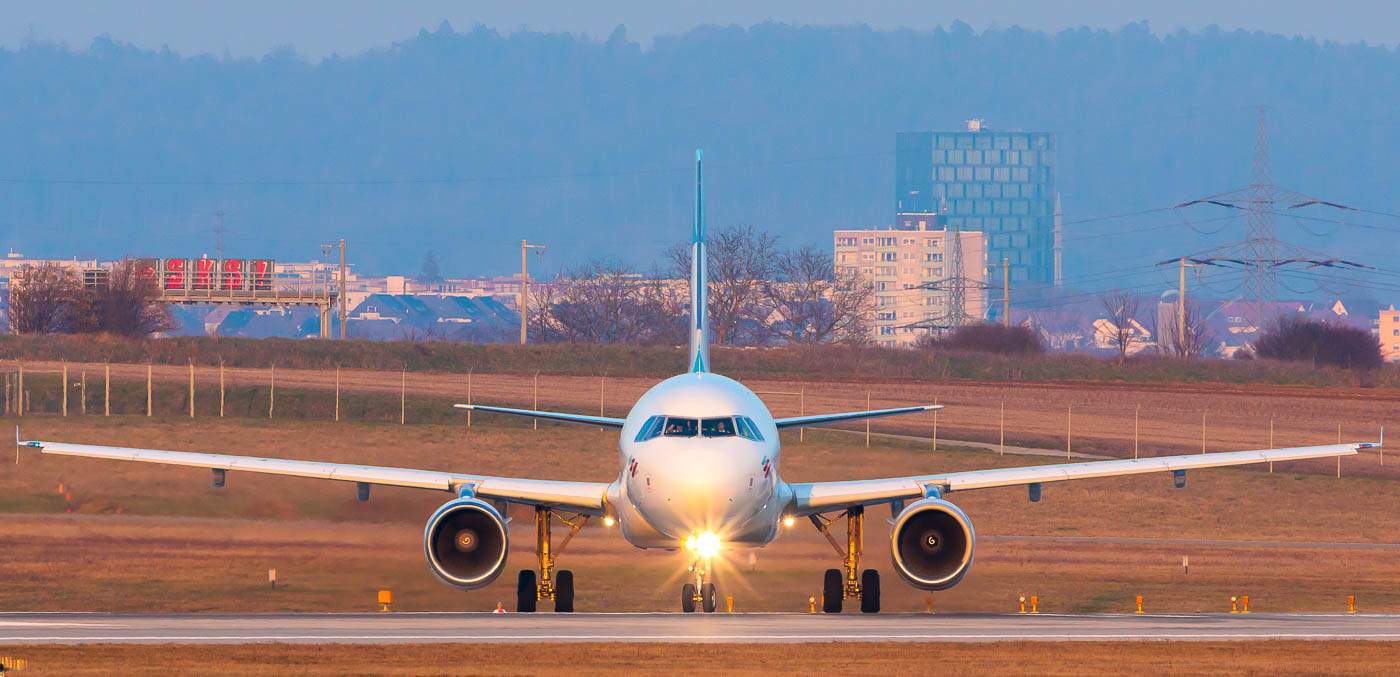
column 904, row 262
column 1386, row 328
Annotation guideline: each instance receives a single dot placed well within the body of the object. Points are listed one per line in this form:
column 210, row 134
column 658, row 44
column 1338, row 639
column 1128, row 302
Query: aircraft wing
column 601, row 421
column 585, row 497
column 814, row 497
column 819, row 419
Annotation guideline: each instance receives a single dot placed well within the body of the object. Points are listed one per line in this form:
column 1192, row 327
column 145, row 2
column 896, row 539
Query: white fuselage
column 674, row 485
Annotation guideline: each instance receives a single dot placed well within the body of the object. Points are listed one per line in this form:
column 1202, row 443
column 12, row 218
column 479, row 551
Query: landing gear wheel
column 708, row 597
column 688, row 598
column 564, row 591
column 870, row 591
column 833, row 590
column 526, row 594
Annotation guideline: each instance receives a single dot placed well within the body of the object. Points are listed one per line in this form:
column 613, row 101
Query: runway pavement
column 380, row 628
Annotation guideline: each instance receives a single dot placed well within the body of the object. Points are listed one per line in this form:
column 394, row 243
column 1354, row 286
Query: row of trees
column 1186, row 336
column 50, row 299
column 1289, row 338
column 760, row 294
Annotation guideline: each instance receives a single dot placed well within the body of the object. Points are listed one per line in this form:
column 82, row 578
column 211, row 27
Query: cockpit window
column 681, row 427
column 651, row 429
column 674, row 426
column 717, row 427
column 748, row 429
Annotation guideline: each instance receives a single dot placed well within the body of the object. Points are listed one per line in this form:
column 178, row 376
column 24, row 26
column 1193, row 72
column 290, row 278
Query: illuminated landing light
column 707, row 545
column 789, row 521
column 690, row 542
column 608, row 521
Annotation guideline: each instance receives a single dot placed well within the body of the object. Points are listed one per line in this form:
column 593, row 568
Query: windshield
column 681, row 427
column 748, row 429
column 717, row 427
column 721, row 426
column 651, row 429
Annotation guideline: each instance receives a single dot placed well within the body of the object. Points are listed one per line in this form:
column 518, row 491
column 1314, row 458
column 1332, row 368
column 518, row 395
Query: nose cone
column 703, row 485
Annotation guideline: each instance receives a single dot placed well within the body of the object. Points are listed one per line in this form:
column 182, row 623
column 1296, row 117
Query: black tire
column 708, row 599
column 688, row 598
column 870, row 591
column 526, row 594
column 833, row 590
column 564, row 591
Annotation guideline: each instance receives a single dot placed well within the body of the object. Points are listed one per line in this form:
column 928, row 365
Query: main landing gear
column 700, row 590
column 558, row 586
column 839, row 585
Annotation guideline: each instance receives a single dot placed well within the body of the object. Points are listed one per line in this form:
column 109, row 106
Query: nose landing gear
column 701, row 590
column 558, row 586
column 852, row 583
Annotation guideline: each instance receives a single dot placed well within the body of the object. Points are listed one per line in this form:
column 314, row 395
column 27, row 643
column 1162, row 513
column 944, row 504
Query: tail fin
column 699, row 361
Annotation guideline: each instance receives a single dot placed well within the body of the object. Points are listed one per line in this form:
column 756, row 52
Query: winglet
column 33, row 444
column 1373, row 445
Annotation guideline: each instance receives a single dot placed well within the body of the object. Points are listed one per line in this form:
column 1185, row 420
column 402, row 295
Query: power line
column 1145, row 229
column 1343, row 222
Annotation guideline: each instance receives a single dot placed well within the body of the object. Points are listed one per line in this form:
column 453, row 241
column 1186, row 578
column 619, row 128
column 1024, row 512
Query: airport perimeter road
column 82, row 628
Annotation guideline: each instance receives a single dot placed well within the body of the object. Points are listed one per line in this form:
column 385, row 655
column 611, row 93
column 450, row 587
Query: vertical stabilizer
column 699, row 361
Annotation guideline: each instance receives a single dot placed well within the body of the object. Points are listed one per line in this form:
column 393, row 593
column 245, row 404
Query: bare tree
column 416, row 334
column 1293, row 337
column 1122, row 310
column 47, row 299
column 597, row 302
column 1187, row 341
column 431, row 271
column 740, row 260
column 813, row 303
column 540, row 323
column 128, row 303
column 662, row 309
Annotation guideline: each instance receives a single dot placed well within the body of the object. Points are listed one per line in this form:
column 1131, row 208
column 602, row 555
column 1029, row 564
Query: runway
column 390, row 628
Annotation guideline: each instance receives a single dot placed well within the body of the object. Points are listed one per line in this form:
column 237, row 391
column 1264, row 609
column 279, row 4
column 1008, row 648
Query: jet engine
column 466, row 542
column 932, row 543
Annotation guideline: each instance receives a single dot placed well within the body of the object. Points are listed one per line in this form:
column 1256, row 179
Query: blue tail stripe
column 699, row 277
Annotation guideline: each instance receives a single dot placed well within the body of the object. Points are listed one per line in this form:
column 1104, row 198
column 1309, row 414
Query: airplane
column 699, row 459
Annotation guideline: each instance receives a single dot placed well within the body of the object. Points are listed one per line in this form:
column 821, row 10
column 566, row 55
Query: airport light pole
column 525, row 247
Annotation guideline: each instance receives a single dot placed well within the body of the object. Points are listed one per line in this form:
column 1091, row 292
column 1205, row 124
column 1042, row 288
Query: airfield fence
column 1081, row 423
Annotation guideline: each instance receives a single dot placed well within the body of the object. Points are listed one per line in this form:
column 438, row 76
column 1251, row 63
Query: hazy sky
column 316, row 28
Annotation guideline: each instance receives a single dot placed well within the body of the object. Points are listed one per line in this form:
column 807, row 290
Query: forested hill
column 464, row 143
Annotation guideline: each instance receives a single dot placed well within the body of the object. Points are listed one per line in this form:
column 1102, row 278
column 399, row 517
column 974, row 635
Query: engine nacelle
column 466, row 542
column 932, row 544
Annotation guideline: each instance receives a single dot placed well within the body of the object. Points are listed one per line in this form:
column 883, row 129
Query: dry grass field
column 147, row 538
column 1100, row 418
column 1169, row 659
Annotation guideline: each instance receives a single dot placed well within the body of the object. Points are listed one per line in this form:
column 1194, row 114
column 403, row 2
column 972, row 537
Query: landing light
column 608, row 521
column 708, row 544
column 788, row 521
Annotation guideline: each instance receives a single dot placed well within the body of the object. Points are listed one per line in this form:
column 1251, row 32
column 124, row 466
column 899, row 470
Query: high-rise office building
column 997, row 182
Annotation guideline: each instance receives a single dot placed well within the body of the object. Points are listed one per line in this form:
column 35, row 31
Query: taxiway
column 379, row 628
